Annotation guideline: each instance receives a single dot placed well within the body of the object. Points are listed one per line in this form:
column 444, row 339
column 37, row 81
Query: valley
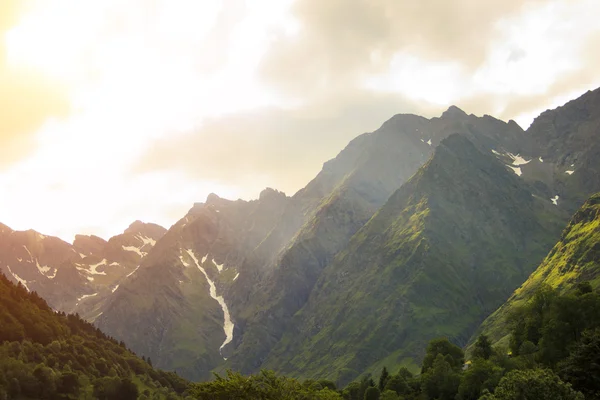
column 420, row 229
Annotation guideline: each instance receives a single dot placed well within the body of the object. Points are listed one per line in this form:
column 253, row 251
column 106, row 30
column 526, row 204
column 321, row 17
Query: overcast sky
column 117, row 110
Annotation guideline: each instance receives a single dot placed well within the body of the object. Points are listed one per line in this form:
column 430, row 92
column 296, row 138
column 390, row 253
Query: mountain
column 290, row 282
column 439, row 256
column 292, row 241
column 78, row 277
column 48, row 355
column 169, row 309
column 575, row 258
column 376, row 164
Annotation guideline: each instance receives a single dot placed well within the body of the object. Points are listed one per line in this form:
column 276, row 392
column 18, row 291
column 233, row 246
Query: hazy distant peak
column 270, row 193
column 89, row 244
column 144, row 227
column 453, row 112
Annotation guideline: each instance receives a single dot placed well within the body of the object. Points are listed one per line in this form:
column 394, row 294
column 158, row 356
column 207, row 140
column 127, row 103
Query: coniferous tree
column 383, row 379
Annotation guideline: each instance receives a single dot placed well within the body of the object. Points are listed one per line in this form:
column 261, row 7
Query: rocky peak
column 453, row 112
column 89, row 244
column 154, row 231
column 271, row 194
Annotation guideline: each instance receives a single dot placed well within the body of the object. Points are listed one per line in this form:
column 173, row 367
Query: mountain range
column 420, row 229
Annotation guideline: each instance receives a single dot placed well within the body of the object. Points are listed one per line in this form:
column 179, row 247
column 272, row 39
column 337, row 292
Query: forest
column 553, row 354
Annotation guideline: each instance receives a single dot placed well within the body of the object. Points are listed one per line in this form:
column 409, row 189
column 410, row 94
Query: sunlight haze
column 115, row 111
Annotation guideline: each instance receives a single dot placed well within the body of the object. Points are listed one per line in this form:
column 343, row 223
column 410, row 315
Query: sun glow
column 133, row 72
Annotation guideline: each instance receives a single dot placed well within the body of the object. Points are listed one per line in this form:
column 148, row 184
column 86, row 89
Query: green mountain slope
column 373, row 166
column 439, row 256
column 47, row 355
column 575, row 258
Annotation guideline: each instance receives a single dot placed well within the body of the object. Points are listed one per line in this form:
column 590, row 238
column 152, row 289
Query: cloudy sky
column 116, row 110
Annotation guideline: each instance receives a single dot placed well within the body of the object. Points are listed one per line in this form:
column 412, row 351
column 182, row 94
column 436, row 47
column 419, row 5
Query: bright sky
column 117, row 110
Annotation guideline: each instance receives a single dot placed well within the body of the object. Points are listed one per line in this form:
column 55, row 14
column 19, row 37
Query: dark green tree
column 442, row 346
column 482, row 375
column 441, row 381
column 582, row 367
column 383, row 378
column 389, row 395
column 483, row 348
column 398, row 385
column 534, row 384
column 372, row 393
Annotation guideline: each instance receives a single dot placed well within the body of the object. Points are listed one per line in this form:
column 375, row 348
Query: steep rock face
column 78, row 277
column 567, row 140
column 174, row 307
column 575, row 258
column 444, row 250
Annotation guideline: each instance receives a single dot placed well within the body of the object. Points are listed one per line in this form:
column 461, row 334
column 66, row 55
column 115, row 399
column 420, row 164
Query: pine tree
column 383, row 378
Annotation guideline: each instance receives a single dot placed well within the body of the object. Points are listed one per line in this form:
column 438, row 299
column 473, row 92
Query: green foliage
column 582, row 367
column 443, row 347
column 397, row 384
column 572, row 266
column 265, row 385
column 482, row 375
column 441, row 380
column 48, row 355
column 383, row 378
column 372, row 393
column 389, row 395
column 534, row 385
column 482, row 348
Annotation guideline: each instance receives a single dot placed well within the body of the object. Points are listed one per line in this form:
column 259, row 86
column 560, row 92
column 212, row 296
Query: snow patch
column 516, row 170
column 134, row 249
column 185, row 264
column 541, row 159
column 132, row 272
column 204, row 258
column 81, row 255
column 555, row 200
column 19, row 259
column 219, row 266
column 90, row 278
column 18, row 278
column 85, row 296
column 115, row 288
column 146, row 240
column 43, row 269
column 236, row 276
column 227, row 324
column 570, row 172
column 28, row 252
column 53, row 275
column 93, row 267
column 518, row 160
column 496, row 153
column 42, row 237
column 429, row 142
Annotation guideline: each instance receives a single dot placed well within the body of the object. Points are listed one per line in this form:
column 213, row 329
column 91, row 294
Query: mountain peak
column 453, row 112
column 145, row 228
column 270, row 193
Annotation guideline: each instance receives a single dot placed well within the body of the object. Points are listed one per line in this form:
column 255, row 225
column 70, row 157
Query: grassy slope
column 446, row 249
column 576, row 257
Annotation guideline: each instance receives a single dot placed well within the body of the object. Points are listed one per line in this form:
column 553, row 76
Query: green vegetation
column 554, row 341
column 574, row 259
column 48, row 355
column 442, row 254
